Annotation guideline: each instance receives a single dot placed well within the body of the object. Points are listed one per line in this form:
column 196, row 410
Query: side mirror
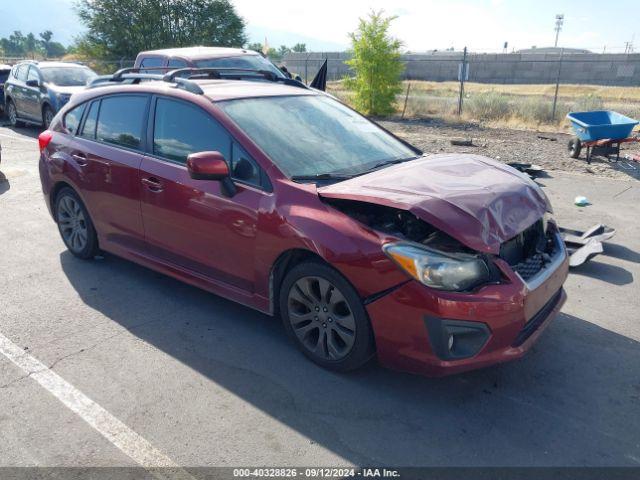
column 33, row 83
column 211, row 166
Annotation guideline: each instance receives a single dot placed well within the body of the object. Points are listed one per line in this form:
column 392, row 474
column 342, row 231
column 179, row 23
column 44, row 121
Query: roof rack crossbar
column 131, row 74
column 231, row 72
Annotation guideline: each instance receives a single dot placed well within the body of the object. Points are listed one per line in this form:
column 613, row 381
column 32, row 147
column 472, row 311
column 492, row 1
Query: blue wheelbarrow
column 601, row 132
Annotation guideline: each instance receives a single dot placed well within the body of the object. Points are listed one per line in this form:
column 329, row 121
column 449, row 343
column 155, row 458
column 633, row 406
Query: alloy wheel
column 321, row 318
column 72, row 223
column 48, row 117
column 13, row 115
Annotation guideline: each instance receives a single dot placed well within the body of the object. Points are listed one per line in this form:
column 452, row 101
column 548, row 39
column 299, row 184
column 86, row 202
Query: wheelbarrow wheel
column 574, row 147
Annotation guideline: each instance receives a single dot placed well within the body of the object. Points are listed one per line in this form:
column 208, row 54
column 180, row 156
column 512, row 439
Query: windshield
column 311, row 135
column 251, row 62
column 67, row 76
column 4, row 74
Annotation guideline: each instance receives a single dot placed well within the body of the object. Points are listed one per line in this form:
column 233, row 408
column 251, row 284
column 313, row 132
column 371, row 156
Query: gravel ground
column 550, row 152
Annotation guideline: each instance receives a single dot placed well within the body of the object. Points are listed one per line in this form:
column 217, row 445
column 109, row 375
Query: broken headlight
column 435, row 269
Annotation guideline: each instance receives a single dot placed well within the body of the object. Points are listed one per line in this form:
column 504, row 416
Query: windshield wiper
column 321, row 176
column 388, row 162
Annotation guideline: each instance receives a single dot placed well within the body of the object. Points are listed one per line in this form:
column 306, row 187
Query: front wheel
column 325, row 317
column 574, row 147
column 75, row 225
column 47, row 116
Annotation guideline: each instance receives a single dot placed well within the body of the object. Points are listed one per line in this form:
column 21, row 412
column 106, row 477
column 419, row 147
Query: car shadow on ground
column 571, row 401
column 28, row 131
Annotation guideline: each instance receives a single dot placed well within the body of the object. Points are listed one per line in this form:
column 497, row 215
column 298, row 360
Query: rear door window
column 181, row 129
column 121, row 120
column 89, row 127
column 72, row 119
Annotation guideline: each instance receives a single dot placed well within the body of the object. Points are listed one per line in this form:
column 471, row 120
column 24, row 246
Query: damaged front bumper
column 435, row 333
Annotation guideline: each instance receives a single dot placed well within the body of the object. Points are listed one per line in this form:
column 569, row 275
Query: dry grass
column 521, row 106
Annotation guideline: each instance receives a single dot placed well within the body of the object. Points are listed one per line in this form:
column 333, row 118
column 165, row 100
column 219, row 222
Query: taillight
column 44, row 138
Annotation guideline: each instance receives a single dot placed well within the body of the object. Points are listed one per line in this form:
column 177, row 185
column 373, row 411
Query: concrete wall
column 533, row 68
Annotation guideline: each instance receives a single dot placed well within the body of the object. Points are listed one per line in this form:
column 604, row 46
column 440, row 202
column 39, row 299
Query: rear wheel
column 75, row 225
column 12, row 113
column 47, row 116
column 325, row 317
column 574, row 147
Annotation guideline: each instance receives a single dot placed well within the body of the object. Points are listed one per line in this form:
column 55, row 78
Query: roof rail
column 183, row 81
column 232, row 73
column 134, row 76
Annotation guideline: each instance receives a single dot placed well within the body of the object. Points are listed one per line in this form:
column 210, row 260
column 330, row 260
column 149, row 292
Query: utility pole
column 463, row 74
column 555, row 97
column 559, row 23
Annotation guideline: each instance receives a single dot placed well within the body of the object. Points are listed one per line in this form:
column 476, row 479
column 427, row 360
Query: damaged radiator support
column 530, row 251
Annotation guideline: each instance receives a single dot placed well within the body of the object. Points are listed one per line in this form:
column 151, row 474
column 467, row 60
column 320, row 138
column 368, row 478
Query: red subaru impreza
column 281, row 198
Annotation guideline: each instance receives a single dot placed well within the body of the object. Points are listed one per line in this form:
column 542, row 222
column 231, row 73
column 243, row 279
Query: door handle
column 80, row 159
column 153, row 184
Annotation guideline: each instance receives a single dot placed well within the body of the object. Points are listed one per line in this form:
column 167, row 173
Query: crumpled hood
column 476, row 200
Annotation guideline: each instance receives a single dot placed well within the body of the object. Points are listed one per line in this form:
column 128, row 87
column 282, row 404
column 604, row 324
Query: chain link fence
column 519, row 88
column 525, row 88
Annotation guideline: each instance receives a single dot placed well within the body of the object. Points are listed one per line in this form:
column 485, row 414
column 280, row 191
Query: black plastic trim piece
column 469, row 337
column 383, row 293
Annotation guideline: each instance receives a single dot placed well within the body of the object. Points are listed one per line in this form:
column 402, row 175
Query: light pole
column 559, row 22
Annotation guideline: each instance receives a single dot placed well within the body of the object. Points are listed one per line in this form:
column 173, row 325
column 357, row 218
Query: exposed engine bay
column 400, row 223
column 527, row 253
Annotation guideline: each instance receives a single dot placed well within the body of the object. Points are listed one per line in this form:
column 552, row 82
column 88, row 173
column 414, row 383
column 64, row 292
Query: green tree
column 51, row 49
column 122, row 28
column 299, row 47
column 376, row 63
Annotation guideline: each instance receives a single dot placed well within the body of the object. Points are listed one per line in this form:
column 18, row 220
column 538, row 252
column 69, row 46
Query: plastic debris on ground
column 583, row 246
column 581, row 201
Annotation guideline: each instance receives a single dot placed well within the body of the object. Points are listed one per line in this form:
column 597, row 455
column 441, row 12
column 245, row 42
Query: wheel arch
column 285, row 262
column 54, row 193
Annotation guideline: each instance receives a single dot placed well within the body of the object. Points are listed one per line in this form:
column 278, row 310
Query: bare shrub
column 488, row 106
column 587, row 103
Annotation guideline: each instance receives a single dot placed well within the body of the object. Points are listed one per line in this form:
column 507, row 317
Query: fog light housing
column 456, row 339
column 450, row 343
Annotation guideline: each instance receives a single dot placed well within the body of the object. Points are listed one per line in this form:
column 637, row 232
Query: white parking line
column 132, row 444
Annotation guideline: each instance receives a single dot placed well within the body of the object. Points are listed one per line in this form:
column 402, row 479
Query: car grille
column 528, row 252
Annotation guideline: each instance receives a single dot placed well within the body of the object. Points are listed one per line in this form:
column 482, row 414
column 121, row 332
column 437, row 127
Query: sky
column 481, row 25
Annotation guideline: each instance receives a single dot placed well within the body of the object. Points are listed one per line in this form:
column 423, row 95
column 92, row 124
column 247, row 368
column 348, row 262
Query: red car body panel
column 152, row 212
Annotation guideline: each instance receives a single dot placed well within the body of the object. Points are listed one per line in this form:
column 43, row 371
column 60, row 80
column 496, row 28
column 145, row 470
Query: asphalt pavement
column 122, row 364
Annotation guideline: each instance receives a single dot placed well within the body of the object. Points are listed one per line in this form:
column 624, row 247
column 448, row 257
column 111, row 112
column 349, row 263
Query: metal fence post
column 555, row 96
column 463, row 72
column 406, row 98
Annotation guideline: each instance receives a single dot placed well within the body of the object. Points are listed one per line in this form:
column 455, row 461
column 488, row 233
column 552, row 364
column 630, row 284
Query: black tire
column 47, row 116
column 75, row 225
column 12, row 113
column 574, row 147
column 340, row 350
